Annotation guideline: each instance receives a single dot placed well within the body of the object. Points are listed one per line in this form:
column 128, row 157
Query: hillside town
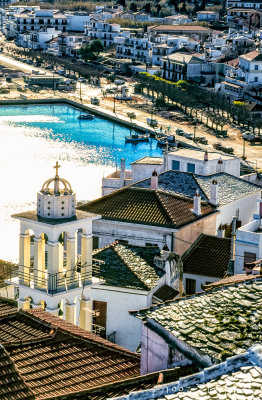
column 131, row 207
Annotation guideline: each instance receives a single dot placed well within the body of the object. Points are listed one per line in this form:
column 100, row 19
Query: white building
column 137, row 49
column 207, row 16
column 28, row 22
column 178, row 19
column 76, row 21
column 248, row 244
column 133, row 277
column 246, row 76
column 39, row 40
column 103, row 31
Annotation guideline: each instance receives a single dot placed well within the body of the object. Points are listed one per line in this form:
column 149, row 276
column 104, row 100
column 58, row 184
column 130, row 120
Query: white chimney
column 154, row 180
column 122, row 172
column 214, row 193
column 197, row 203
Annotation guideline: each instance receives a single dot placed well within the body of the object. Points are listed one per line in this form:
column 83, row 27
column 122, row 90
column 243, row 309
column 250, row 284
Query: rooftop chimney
column 220, row 165
column 154, row 180
column 206, row 156
column 214, row 193
column 197, row 203
column 122, row 172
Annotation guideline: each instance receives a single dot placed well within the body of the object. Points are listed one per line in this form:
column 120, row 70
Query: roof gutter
column 189, row 352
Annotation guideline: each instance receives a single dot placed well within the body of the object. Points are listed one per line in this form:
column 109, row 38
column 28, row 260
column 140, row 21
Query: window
column 190, row 286
column 256, row 67
column 176, row 165
column 151, row 245
column 191, row 168
column 249, row 257
column 99, row 318
column 255, row 79
column 95, row 242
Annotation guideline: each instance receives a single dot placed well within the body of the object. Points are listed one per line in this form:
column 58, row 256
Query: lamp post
column 80, row 91
column 114, row 109
column 195, row 130
column 54, row 82
column 244, row 150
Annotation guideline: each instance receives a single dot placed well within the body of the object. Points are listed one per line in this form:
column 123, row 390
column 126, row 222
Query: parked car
column 180, row 132
column 188, row 136
column 202, row 140
column 218, row 146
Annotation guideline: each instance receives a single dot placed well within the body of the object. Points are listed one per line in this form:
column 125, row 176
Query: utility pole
column 114, row 109
column 244, row 150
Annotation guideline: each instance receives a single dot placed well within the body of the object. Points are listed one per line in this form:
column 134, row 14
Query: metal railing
column 53, row 283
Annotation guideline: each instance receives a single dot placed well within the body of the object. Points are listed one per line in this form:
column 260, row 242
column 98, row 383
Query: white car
column 119, row 82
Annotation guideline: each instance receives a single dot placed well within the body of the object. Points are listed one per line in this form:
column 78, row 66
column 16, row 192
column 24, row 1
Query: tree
column 96, row 46
column 91, row 51
column 122, row 3
column 133, row 7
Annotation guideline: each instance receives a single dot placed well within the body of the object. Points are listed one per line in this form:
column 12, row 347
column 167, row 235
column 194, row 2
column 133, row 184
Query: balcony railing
column 53, row 283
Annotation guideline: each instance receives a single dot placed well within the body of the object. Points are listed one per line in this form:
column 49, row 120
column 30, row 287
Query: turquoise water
column 105, row 137
column 34, row 137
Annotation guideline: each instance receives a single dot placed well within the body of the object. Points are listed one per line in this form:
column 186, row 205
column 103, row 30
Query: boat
column 166, row 141
column 135, row 137
column 85, row 116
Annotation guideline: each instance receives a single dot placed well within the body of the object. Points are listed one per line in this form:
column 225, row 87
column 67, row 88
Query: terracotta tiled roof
column 128, row 266
column 182, row 28
column 7, row 307
column 149, row 207
column 63, row 358
column 220, row 323
column 126, row 386
column 252, row 55
column 18, row 327
column 229, row 280
column 208, row 256
column 12, row 385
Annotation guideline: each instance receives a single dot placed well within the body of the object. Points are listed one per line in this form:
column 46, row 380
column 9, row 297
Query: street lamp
column 80, row 93
column 114, row 109
column 244, row 150
column 195, row 130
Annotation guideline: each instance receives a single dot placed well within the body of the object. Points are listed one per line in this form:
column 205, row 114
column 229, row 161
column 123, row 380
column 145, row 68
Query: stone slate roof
column 148, row 207
column 231, row 188
column 128, row 266
column 238, row 378
column 207, row 256
column 55, row 358
column 165, row 293
column 219, row 323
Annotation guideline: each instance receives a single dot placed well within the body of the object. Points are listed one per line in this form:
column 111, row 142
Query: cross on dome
column 56, row 168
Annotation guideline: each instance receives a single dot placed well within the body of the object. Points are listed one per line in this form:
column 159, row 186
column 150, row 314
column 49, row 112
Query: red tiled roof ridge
column 177, row 299
column 97, row 251
column 230, row 280
column 75, row 330
column 123, row 382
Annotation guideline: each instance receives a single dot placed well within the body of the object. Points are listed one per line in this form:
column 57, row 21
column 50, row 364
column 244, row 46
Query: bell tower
column 55, row 251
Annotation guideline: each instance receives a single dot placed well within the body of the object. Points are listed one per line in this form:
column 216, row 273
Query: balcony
column 53, row 283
